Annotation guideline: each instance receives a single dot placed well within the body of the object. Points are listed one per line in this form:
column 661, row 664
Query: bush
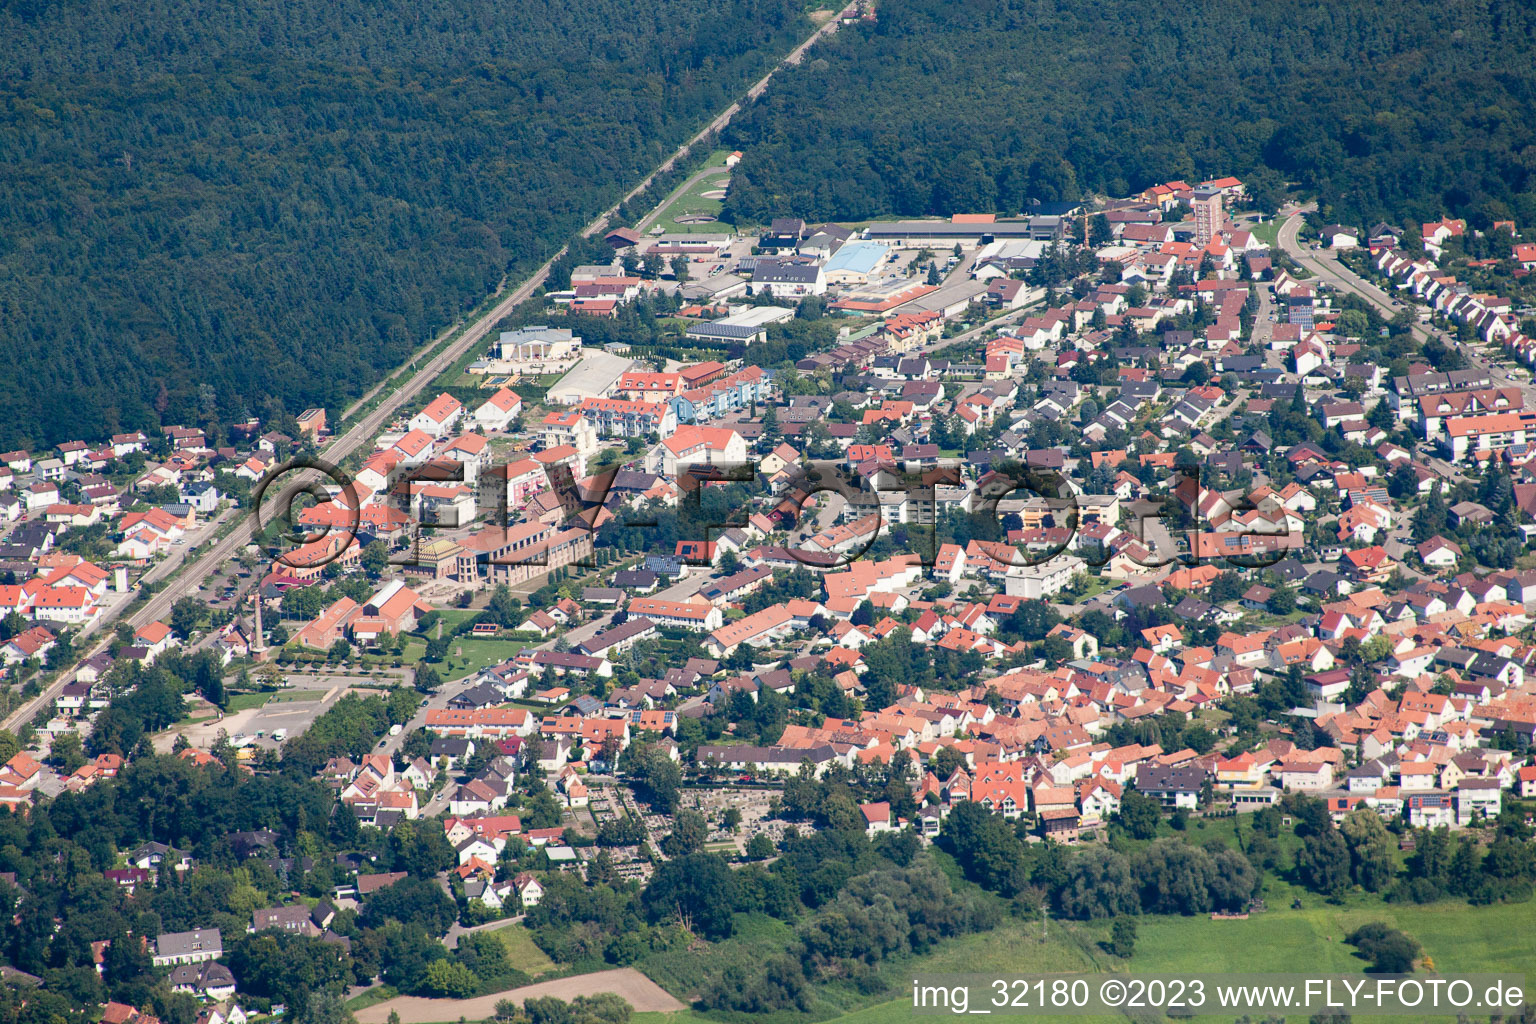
column 1389, row 950
column 1122, row 940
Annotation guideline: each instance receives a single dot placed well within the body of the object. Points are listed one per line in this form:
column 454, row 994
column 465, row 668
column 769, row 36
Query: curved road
column 1325, row 264
column 201, row 564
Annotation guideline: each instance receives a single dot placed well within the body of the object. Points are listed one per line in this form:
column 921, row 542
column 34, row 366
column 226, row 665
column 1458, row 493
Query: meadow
column 1458, row 939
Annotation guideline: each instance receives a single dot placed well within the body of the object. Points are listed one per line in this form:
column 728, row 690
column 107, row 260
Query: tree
column 1032, row 620
column 689, row 831
column 1370, row 849
column 68, row 753
column 450, row 979
column 287, row 968
column 1236, row 881
column 1054, row 649
column 1139, row 814
column 1281, row 602
column 680, row 268
column 945, row 761
column 1353, row 323
column 986, row 848
column 760, row 847
column 1227, row 586
column 1323, row 863
column 656, row 777
column 1464, row 874
column 186, row 615
column 428, row 678
column 1099, row 231
column 411, row 901
column 505, row 610
column 374, row 558
column 1122, row 940
column 700, row 889
column 1099, row 884
column 1432, row 516
column 1175, row 877
column 325, row 1007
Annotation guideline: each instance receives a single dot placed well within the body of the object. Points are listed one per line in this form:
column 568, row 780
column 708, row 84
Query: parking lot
column 225, row 586
column 292, row 709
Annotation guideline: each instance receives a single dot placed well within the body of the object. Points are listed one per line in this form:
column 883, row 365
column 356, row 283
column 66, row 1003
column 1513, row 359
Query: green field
column 522, row 952
column 690, row 199
column 291, row 696
column 377, row 994
column 1458, row 938
column 477, row 654
column 1268, row 232
column 247, row 701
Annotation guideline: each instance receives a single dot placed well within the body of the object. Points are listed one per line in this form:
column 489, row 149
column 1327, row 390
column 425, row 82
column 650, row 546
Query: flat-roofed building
column 856, row 262
column 595, row 376
column 746, row 326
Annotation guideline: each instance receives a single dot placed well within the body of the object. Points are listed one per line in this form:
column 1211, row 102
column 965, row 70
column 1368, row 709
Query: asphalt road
column 721, row 120
column 202, row 565
column 1325, row 264
column 158, row 607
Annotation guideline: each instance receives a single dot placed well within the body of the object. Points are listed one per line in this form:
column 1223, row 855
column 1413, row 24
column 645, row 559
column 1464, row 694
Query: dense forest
column 1398, row 111
column 215, row 210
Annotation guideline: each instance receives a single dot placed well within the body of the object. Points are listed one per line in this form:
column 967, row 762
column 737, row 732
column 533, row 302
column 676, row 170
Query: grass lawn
column 521, row 950
column 290, row 696
column 1268, row 232
column 1015, row 947
column 246, row 701
column 1096, row 585
column 452, row 617
column 374, row 996
column 692, row 200
column 477, row 654
column 683, row 973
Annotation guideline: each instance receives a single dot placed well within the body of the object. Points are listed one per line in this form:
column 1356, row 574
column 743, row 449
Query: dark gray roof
column 1161, row 778
column 199, row 940
column 617, row 634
